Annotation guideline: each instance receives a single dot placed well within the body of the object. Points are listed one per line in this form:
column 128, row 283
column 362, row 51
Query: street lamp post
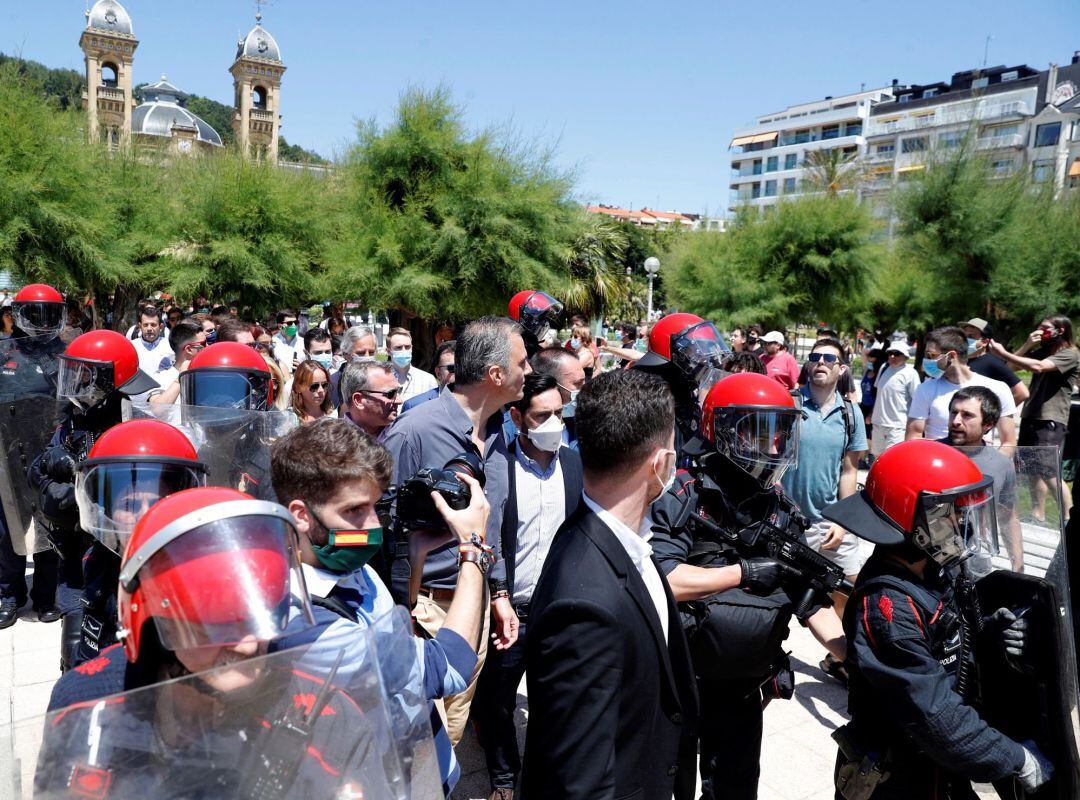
column 652, row 266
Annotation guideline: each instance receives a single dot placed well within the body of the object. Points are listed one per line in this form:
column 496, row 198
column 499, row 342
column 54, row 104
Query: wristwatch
column 482, row 557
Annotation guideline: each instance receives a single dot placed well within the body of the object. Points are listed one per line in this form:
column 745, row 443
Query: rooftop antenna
column 986, row 50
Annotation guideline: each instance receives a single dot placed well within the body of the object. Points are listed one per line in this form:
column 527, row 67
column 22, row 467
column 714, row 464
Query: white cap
column 773, row 336
column 898, row 347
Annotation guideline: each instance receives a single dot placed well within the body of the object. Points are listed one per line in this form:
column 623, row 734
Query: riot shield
column 259, row 728
column 28, row 418
column 1034, row 698
column 234, row 444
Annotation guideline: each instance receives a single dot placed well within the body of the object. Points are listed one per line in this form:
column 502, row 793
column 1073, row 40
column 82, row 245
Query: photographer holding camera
column 330, row 476
column 466, row 417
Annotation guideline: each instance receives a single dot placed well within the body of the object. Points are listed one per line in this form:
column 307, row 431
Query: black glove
column 761, row 575
column 1011, row 633
column 59, row 465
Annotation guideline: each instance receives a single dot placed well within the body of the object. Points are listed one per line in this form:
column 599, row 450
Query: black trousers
column 494, row 705
column 13, row 573
column 731, row 729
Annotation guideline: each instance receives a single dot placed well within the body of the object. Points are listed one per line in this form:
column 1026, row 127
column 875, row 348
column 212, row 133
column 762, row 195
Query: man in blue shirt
column 832, row 439
column 330, row 475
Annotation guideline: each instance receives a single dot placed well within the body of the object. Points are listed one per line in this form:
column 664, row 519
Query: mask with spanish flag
column 346, row 549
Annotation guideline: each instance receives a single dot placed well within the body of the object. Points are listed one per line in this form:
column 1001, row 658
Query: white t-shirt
column 895, row 390
column 931, row 402
column 154, row 358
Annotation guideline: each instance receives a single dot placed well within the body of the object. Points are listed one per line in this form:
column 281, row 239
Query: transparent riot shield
column 29, row 415
column 396, row 653
column 260, row 728
column 1025, row 570
column 234, row 444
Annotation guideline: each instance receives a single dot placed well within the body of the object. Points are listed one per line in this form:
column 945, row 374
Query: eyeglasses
column 828, row 358
column 318, row 385
column 389, row 394
column 448, row 367
column 262, row 347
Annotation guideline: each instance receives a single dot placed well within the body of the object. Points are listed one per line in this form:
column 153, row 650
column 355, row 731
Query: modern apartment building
column 767, row 160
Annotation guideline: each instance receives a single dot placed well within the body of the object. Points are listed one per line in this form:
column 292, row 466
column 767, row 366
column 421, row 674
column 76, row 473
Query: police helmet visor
column 113, row 496
column 952, row 526
column 762, row 441
column 697, row 347
column 84, row 383
column 39, row 319
column 225, row 582
column 539, row 313
column 224, row 389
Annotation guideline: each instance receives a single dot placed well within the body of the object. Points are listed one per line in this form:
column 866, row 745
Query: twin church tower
column 162, row 120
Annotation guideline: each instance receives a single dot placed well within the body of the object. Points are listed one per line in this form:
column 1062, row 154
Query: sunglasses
column 262, row 347
column 828, row 358
column 317, row 386
column 448, row 367
column 389, row 394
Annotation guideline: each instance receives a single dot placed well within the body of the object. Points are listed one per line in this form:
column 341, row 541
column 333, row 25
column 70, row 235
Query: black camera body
column 416, row 509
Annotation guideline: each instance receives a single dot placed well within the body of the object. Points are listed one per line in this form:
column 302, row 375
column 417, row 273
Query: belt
column 437, row 594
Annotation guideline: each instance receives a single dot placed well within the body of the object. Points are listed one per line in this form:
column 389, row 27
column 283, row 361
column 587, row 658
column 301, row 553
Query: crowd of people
column 632, row 524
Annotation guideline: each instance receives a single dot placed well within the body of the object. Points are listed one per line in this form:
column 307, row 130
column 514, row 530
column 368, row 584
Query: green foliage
column 217, row 115
column 65, row 85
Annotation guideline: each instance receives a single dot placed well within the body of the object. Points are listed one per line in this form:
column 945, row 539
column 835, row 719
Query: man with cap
column 910, row 625
column 780, row 365
column 982, row 362
column 895, row 384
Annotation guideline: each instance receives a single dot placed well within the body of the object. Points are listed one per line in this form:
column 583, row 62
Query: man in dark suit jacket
column 611, row 690
column 545, row 485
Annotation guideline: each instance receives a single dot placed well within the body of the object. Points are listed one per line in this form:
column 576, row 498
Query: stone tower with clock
column 108, row 43
column 257, row 73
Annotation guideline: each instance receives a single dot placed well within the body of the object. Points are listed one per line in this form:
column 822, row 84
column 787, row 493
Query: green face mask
column 347, row 549
column 290, row 330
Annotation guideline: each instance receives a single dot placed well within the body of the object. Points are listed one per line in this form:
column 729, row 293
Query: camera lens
column 469, row 464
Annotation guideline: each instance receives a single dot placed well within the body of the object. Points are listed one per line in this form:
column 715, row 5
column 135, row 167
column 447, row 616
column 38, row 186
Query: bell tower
column 257, row 73
column 108, row 44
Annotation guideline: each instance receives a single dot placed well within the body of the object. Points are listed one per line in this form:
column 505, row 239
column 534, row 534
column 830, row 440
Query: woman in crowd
column 581, row 342
column 311, row 392
column 7, row 322
column 264, row 345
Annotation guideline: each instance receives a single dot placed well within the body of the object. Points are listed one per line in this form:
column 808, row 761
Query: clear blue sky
column 640, row 97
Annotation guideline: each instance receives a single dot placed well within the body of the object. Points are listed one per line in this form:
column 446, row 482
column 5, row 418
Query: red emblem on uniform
column 90, row 782
column 93, row 667
column 11, row 365
column 306, row 701
column 885, row 607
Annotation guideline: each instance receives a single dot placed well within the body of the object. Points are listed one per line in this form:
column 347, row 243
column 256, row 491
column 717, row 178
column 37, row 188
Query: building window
column 830, row 132
column 1011, row 75
column 109, row 75
column 1002, row 167
column 1042, row 171
column 772, row 163
column 791, row 160
column 802, row 137
column 789, row 185
column 1047, row 135
column 980, row 83
column 886, row 150
column 757, row 167
column 949, row 140
column 755, row 191
column 1002, row 131
column 914, row 144
column 905, row 98
column 770, row 188
column 929, row 93
column 853, row 129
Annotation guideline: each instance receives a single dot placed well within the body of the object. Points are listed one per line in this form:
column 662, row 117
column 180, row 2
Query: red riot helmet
column 132, row 466
column 754, row 422
column 210, row 567
column 228, row 375
column 687, row 342
column 98, row 363
column 535, row 311
column 927, row 494
column 38, row 310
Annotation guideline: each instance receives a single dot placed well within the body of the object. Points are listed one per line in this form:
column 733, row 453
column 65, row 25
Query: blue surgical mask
column 575, row 343
column 324, row 360
column 402, row 358
column 973, row 345
column 931, row 368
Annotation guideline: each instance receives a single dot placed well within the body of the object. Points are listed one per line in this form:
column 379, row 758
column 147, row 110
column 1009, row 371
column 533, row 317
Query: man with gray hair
column 357, row 344
column 372, row 396
column 490, row 369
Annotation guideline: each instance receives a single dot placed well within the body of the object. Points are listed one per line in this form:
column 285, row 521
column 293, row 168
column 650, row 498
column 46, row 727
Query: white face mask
column 549, row 435
column 570, row 408
column 670, row 478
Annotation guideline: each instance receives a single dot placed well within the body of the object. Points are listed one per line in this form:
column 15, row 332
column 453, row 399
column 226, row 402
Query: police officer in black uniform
column 911, row 627
column 28, row 371
column 97, row 370
column 737, row 599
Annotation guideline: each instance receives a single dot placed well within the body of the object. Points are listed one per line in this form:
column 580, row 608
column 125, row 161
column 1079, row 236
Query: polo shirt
column 814, row 482
column 782, row 368
column 540, row 495
column 430, row 435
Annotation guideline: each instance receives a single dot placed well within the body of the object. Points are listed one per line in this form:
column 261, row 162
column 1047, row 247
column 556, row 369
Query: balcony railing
column 880, row 157
column 999, row 142
column 952, row 116
column 110, row 93
column 262, row 115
